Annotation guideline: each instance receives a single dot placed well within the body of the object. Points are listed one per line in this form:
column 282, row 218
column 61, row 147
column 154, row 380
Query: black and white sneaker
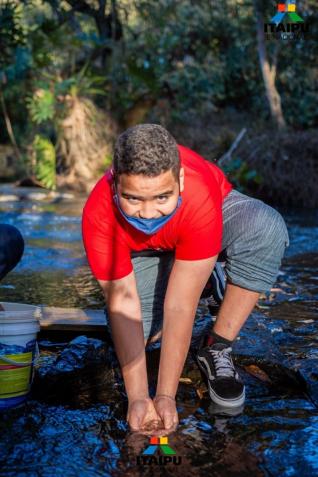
column 224, row 383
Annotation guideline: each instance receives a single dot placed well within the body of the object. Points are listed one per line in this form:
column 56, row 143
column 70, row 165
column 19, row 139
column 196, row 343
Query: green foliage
column 201, row 55
column 49, row 98
column 241, row 176
column 41, row 105
column 84, row 83
column 11, row 30
column 45, row 161
column 172, row 55
column 198, row 56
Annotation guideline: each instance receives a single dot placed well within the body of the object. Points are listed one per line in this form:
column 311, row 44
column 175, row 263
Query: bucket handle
column 21, row 363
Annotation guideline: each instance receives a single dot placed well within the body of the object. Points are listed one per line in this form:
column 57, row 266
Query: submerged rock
column 82, row 373
column 307, row 370
column 79, row 352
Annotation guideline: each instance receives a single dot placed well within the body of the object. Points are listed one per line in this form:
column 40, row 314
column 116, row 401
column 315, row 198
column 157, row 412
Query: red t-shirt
column 194, row 232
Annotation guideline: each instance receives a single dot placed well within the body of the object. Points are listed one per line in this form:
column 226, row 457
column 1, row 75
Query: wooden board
column 71, row 319
column 59, row 319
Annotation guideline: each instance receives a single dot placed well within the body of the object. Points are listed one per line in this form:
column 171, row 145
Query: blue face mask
column 147, row 226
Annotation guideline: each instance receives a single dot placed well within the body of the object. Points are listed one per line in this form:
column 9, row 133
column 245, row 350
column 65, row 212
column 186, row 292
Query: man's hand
column 142, row 415
column 167, row 412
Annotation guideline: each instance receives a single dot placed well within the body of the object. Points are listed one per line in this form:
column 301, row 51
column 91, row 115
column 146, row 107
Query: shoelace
column 223, row 362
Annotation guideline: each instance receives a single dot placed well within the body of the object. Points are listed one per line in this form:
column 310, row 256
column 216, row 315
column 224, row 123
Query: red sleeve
column 201, row 235
column 107, row 253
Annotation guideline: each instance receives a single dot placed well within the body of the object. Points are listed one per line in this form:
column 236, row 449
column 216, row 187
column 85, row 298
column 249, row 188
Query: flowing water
column 74, row 424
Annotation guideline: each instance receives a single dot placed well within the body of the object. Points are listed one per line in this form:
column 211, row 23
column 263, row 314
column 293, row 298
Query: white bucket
column 19, row 325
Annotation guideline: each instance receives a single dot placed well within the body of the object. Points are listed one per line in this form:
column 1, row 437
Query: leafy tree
column 71, row 71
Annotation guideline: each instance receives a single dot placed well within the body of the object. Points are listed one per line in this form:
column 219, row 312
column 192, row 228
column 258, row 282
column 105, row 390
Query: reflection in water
column 75, row 424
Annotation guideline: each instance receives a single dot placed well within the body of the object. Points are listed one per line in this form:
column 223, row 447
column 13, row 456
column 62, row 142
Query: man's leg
column 236, row 307
column 152, row 274
column 11, row 248
column 254, row 240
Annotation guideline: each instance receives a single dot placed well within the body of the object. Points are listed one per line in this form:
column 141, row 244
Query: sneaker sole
column 239, row 401
column 217, row 410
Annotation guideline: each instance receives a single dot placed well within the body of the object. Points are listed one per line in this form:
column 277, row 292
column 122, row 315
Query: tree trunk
column 268, row 73
column 108, row 26
column 9, row 127
column 84, row 148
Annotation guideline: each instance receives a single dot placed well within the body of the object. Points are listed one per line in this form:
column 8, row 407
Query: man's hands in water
column 154, row 417
column 142, row 414
column 167, row 411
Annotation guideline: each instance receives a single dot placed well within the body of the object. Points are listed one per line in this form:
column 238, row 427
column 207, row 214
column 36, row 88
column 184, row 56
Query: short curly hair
column 147, row 149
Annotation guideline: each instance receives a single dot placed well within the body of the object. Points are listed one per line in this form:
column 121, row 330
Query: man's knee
column 257, row 247
column 269, row 229
column 11, row 248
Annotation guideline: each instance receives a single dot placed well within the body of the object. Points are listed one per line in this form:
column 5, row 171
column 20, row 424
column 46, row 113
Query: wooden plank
column 71, row 319
column 59, row 319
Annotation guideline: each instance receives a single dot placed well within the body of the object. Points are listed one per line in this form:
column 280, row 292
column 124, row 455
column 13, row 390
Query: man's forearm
column 127, row 331
column 176, row 337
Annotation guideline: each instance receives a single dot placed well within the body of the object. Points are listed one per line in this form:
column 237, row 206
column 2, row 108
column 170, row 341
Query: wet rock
column 307, row 370
column 256, row 341
column 80, row 352
column 83, row 372
column 256, row 346
column 45, row 440
column 9, row 192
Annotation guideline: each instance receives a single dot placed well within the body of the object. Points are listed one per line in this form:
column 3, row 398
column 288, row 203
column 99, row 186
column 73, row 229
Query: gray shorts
column 253, row 244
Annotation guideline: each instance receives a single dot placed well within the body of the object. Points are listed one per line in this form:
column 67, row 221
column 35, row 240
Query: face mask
column 147, row 226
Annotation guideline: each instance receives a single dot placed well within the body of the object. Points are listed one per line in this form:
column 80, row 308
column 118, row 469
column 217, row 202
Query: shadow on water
column 74, row 423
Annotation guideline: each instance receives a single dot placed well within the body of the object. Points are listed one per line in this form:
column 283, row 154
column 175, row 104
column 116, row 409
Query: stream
column 74, row 423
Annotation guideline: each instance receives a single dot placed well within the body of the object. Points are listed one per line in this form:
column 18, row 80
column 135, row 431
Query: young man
column 153, row 227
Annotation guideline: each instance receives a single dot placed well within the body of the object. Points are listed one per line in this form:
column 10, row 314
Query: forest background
column 75, row 73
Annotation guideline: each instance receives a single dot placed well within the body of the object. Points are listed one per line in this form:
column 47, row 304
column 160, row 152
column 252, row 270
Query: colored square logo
column 163, row 440
column 154, row 440
column 281, row 7
column 291, row 7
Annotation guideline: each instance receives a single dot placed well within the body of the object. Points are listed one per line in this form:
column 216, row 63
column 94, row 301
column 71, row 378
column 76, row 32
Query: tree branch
column 8, row 122
column 228, row 155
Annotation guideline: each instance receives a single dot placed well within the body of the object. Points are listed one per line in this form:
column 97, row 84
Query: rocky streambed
column 74, row 423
